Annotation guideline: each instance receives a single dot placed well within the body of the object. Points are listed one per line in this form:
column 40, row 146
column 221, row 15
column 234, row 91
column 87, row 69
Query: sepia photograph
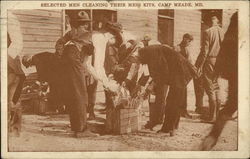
column 122, row 80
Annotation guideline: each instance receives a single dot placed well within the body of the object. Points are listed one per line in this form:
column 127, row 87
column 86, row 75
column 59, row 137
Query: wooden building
column 41, row 28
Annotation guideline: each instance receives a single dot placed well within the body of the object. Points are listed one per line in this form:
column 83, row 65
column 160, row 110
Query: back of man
column 215, row 36
column 206, row 62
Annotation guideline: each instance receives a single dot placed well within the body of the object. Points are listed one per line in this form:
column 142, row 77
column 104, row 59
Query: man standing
column 90, row 81
column 16, row 75
column 205, row 63
column 74, row 55
column 182, row 48
column 227, row 67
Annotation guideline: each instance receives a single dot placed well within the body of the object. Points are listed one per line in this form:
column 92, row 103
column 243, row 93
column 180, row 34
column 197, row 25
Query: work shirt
column 15, row 35
column 211, row 46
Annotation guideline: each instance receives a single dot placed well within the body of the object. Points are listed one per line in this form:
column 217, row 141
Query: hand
column 199, row 72
column 111, row 85
column 136, row 91
column 150, row 88
column 126, row 83
column 110, row 77
column 118, row 68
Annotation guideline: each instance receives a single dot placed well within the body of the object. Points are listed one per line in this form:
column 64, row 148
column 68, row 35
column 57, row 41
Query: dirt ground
column 52, row 133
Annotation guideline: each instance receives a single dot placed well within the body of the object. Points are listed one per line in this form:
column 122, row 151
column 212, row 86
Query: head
column 116, row 30
column 212, row 18
column 146, row 40
column 81, row 21
column 187, row 39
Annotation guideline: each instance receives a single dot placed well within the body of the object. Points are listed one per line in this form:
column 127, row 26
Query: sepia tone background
column 42, row 28
column 243, row 146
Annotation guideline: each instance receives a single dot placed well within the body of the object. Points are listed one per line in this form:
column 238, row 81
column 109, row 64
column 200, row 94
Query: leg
column 109, row 113
column 13, row 81
column 91, row 99
column 173, row 107
column 157, row 108
column 211, row 88
column 183, row 111
column 199, row 93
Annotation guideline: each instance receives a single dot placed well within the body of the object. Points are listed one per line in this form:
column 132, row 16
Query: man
column 227, row 67
column 157, row 100
column 182, row 48
column 74, row 55
column 72, row 34
column 16, row 75
column 176, row 72
column 69, row 72
column 206, row 61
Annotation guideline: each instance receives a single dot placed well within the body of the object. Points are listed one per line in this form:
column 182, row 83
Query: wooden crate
column 127, row 121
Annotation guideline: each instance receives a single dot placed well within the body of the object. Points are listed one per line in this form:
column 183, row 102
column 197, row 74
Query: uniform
column 184, row 51
column 206, row 61
column 226, row 66
column 175, row 71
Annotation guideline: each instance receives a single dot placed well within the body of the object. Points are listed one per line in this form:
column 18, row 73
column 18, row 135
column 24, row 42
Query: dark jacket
column 167, row 66
column 111, row 59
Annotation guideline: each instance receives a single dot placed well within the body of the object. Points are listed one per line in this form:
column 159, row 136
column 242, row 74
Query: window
column 166, row 26
column 98, row 17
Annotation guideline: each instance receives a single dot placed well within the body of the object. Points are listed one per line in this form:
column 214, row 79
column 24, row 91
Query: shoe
column 85, row 133
column 91, row 116
column 172, row 133
column 208, row 120
column 150, row 126
column 186, row 115
column 199, row 110
column 163, row 131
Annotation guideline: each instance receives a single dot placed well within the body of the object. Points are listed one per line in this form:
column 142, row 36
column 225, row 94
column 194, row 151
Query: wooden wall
column 40, row 29
column 139, row 22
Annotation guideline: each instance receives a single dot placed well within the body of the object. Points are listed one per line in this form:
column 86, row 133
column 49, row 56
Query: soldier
column 176, row 72
column 16, row 75
column 182, row 48
column 206, row 61
column 227, row 67
column 73, row 34
column 75, row 90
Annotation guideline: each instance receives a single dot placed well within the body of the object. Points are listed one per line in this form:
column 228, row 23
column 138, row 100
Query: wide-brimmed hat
column 81, row 16
column 116, row 27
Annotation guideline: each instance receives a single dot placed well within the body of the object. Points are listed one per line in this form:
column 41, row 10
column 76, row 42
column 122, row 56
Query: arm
column 97, row 71
column 61, row 42
column 204, row 52
column 189, row 57
column 90, row 68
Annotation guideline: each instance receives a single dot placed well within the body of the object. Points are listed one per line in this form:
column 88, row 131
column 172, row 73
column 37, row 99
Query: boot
column 91, row 113
column 85, row 133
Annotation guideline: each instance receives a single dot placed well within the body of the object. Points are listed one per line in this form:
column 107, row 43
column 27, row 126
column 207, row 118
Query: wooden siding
column 40, row 29
column 139, row 22
column 188, row 21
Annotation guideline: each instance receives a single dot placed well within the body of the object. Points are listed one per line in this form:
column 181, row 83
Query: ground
column 52, row 133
